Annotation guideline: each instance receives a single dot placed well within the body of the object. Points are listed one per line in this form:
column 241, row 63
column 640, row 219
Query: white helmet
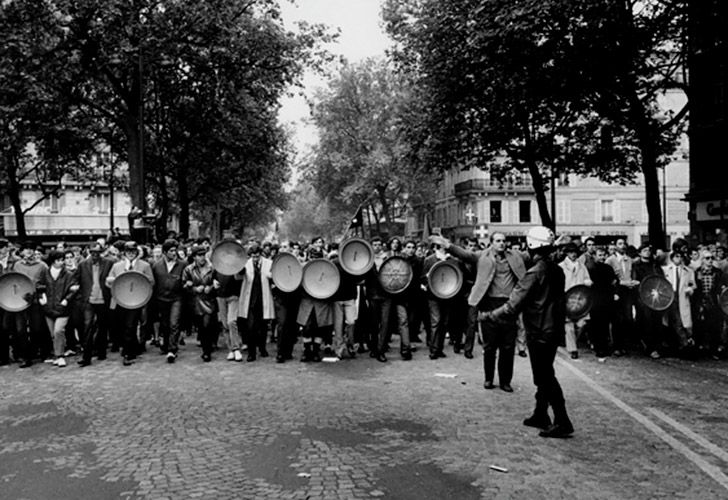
column 539, row 236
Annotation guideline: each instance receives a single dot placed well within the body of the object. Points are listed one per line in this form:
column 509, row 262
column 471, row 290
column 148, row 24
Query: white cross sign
column 481, row 232
column 470, row 215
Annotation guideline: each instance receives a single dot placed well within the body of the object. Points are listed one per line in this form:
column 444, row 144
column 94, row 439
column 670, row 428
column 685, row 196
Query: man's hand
column 64, row 302
column 43, row 300
column 588, row 282
column 484, row 315
column 215, row 284
column 440, row 240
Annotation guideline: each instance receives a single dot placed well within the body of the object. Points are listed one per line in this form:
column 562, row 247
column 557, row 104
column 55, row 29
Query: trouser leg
column 548, row 389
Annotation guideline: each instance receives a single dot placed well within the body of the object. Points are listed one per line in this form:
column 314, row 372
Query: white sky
column 361, row 36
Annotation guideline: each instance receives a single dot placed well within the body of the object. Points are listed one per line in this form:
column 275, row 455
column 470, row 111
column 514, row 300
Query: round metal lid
column 395, row 274
column 228, row 257
column 579, row 301
column 287, row 272
column 132, row 290
column 656, row 293
column 320, row 279
column 356, row 256
column 445, row 279
column 13, row 287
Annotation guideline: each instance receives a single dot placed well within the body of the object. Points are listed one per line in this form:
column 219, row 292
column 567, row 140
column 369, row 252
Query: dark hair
column 376, row 238
column 66, row 253
column 412, row 242
column 55, row 255
column 169, row 245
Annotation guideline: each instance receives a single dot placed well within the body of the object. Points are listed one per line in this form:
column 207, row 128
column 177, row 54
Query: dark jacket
column 168, row 285
column 604, row 287
column 347, row 284
column 57, row 290
column 86, row 279
column 540, row 296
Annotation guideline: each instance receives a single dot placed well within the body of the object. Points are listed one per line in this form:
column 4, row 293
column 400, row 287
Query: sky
column 361, row 36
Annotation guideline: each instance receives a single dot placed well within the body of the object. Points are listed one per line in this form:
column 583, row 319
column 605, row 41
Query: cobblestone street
column 358, row 429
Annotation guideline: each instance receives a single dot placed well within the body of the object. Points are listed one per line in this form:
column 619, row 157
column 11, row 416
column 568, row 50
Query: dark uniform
column 540, row 296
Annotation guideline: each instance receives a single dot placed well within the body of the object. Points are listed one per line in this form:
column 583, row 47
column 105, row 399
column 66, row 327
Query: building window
column 607, row 210
column 562, row 211
column 51, row 203
column 495, row 211
column 524, row 211
column 100, row 202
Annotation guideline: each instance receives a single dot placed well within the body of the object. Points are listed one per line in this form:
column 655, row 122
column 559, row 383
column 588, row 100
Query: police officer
column 540, row 296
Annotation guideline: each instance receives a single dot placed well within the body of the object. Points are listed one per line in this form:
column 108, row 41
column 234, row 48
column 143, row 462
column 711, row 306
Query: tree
column 42, row 137
column 186, row 91
column 362, row 157
column 525, row 80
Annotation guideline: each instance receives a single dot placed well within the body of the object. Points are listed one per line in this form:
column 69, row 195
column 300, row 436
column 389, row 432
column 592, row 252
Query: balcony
column 483, row 186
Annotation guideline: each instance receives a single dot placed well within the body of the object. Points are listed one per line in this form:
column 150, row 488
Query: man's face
column 677, row 259
column 720, row 253
column 590, row 247
column 114, row 253
column 27, row 254
column 4, row 252
column 572, row 256
column 318, row 244
column 131, row 254
column 646, row 253
column 420, row 251
column 58, row 263
column 205, row 245
column 200, row 259
column 471, row 246
column 377, row 246
column 498, row 242
column 600, row 256
column 171, row 254
column 409, row 249
column 621, row 245
column 69, row 261
column 707, row 260
column 95, row 256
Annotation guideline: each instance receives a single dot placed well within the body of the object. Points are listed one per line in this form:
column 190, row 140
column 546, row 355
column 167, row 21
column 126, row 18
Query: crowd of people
column 73, row 312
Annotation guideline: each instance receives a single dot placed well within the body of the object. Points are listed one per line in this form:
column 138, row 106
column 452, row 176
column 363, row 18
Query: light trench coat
column 248, row 274
column 687, row 282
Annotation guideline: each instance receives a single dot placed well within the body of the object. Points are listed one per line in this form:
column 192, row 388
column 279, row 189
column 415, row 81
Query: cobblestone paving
column 348, row 430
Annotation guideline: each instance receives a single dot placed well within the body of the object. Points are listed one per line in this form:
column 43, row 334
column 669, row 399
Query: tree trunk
column 14, row 195
column 183, row 198
column 646, row 138
column 376, row 219
column 134, row 160
column 539, row 189
column 385, row 210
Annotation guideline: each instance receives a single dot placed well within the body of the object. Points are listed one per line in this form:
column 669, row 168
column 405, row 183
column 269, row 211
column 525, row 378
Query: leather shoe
column 441, row 354
column 25, row 364
column 522, row 353
column 280, row 359
column 433, row 355
column 488, row 384
column 263, row 353
column 382, row 358
column 406, row 355
column 251, row 356
column 538, row 421
column 84, row 362
column 506, row 387
column 468, row 355
column 127, row 361
column 557, row 431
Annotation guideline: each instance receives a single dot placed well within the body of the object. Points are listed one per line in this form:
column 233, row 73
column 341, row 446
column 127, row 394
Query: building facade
column 80, row 212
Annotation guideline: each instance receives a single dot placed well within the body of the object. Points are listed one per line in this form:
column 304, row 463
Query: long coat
column 486, row 269
column 265, row 276
column 687, row 282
